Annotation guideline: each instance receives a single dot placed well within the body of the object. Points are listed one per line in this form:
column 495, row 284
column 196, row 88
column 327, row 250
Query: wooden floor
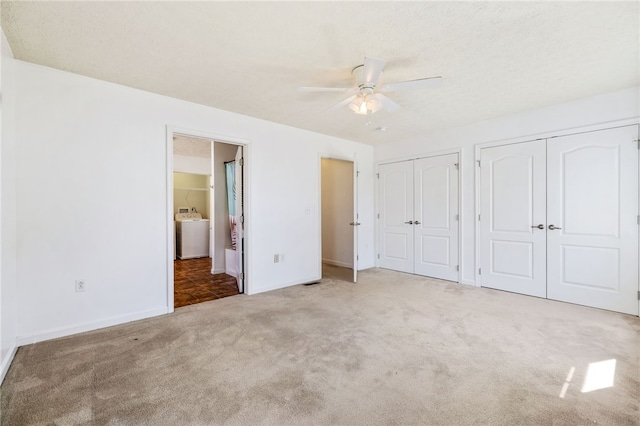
column 194, row 283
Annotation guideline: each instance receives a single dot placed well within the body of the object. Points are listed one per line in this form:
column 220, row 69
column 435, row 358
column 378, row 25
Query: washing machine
column 192, row 236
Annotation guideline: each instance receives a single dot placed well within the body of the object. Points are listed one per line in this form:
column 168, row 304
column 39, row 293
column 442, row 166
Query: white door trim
column 213, row 137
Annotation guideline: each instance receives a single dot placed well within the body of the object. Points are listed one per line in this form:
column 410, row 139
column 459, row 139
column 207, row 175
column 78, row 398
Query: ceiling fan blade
column 324, row 89
column 421, row 83
column 372, row 71
column 387, row 103
column 343, row 103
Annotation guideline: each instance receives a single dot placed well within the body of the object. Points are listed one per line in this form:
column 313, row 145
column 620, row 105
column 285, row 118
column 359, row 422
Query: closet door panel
column 396, row 210
column 436, row 210
column 593, row 200
column 512, row 205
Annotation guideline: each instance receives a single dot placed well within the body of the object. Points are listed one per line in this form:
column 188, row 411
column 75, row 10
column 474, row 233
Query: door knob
column 417, row 222
column 541, row 226
column 551, row 227
column 410, row 222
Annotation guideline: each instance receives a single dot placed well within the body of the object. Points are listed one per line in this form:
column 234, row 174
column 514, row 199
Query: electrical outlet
column 80, row 285
column 276, row 258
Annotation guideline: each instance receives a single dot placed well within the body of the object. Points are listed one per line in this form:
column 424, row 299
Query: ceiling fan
column 368, row 100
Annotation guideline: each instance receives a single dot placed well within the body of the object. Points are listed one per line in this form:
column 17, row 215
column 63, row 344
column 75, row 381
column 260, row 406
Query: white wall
column 189, row 164
column 91, row 185
column 190, row 190
column 221, row 152
column 601, row 111
column 8, row 291
column 337, row 212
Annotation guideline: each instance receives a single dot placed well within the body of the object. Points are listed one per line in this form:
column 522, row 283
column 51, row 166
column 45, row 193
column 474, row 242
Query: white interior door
column 239, row 218
column 212, row 211
column 356, row 222
column 512, row 206
column 396, row 216
column 593, row 206
column 436, row 216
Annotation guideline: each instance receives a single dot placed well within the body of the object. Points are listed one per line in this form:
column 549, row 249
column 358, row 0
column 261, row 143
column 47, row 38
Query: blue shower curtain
column 230, row 170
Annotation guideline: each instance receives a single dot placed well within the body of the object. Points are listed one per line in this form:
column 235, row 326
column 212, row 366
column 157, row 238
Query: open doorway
column 339, row 219
column 207, row 205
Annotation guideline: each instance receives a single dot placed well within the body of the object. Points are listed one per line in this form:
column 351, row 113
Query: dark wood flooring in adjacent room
column 194, row 283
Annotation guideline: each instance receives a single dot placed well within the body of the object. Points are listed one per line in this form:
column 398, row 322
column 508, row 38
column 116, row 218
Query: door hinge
column 639, row 295
column 378, row 215
column 638, row 219
column 378, row 255
column 457, row 267
column 478, row 161
column 357, row 173
column 241, row 218
column 479, row 271
column 457, row 165
column 478, row 218
column 378, row 175
column 638, row 142
column 242, row 275
column 357, row 257
column 242, row 161
column 457, row 217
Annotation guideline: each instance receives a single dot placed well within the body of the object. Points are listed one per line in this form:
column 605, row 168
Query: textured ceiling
column 497, row 58
column 191, row 147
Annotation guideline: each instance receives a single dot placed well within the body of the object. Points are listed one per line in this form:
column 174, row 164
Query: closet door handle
column 417, row 222
column 541, row 226
column 409, row 223
column 551, row 227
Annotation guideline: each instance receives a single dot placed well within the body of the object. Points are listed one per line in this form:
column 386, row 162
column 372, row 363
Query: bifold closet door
column 436, row 216
column 396, row 211
column 592, row 232
column 513, row 218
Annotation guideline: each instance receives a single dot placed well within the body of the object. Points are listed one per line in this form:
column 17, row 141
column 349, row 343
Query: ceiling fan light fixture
column 359, row 105
column 363, row 108
column 373, row 104
column 365, row 98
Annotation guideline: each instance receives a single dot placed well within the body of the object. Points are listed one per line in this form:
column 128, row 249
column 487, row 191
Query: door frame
column 461, row 169
column 350, row 159
column 171, row 131
column 521, row 139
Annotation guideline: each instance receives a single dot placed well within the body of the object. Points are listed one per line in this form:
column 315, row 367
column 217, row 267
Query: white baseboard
column 89, row 326
column 218, row 271
column 468, row 282
column 337, row 263
column 279, row 286
column 6, row 362
column 365, row 266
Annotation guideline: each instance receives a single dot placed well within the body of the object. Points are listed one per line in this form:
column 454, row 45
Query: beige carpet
column 393, row 349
